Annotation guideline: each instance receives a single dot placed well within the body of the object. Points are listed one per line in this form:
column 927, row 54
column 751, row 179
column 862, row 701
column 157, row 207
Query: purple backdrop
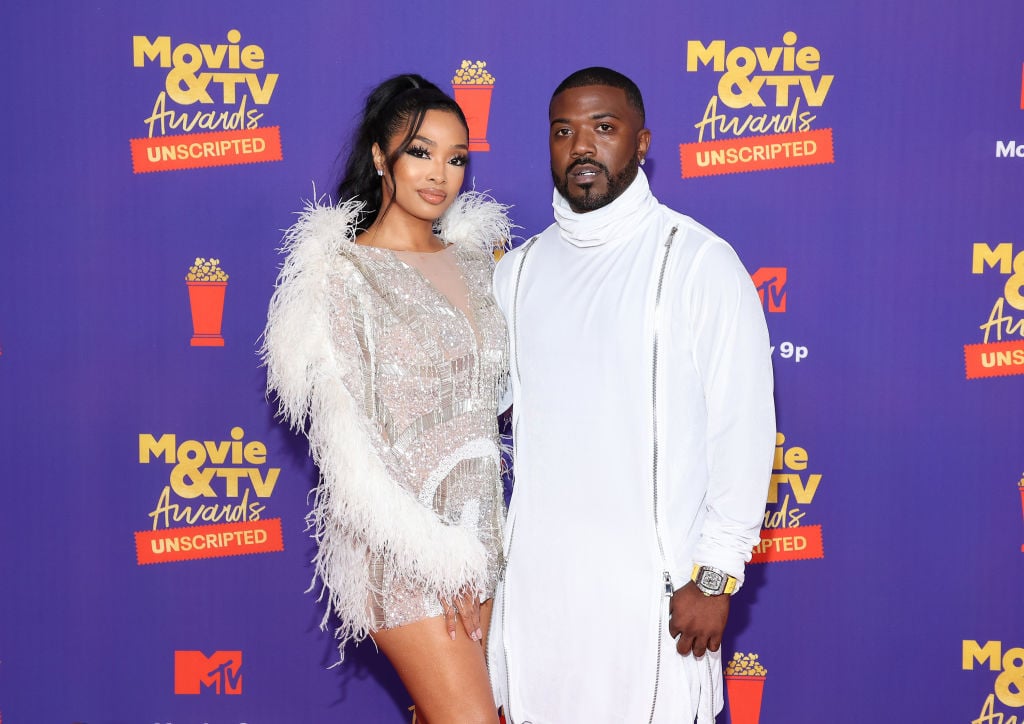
column 891, row 240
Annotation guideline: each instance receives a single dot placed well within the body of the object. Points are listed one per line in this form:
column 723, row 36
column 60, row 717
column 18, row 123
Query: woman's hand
column 467, row 606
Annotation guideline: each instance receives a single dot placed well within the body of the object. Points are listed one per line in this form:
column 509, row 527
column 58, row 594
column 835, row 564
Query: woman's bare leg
column 446, row 679
column 485, row 622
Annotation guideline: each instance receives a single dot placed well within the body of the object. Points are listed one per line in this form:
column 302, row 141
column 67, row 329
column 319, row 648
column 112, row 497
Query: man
column 644, row 433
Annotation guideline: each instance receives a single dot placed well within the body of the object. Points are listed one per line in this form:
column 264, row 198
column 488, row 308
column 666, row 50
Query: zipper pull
column 669, row 590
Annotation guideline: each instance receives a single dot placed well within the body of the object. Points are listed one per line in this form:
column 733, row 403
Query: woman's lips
column 433, row 196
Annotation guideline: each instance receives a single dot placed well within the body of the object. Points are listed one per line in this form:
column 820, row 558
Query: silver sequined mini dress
column 427, row 379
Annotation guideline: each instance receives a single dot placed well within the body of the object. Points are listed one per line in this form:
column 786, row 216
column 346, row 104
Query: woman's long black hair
column 397, row 104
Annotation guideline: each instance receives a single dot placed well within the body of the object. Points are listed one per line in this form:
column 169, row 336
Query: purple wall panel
column 913, row 611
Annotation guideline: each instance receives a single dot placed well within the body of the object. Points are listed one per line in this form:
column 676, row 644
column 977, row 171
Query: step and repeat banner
column 866, row 160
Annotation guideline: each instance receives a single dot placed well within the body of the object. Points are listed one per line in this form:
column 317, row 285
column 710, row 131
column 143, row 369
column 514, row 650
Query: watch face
column 711, row 580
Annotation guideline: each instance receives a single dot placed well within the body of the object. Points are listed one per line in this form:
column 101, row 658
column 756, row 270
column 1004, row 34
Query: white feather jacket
column 400, row 418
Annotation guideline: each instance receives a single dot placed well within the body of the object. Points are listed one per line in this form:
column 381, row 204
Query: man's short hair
column 607, row 77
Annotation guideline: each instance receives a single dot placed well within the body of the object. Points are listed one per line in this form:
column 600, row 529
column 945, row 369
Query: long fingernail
column 479, row 634
column 452, row 634
column 475, row 636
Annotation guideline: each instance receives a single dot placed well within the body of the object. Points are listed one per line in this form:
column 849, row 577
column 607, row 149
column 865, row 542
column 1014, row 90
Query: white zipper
column 666, row 575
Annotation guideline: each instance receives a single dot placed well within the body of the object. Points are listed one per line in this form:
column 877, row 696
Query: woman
column 384, row 343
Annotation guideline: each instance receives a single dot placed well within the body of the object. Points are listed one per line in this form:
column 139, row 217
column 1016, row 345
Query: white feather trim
column 359, row 507
column 476, row 219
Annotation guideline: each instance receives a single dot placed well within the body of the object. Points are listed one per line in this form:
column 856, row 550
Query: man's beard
column 590, row 200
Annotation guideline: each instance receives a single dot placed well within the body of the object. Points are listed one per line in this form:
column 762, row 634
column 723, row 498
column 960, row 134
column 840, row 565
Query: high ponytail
column 396, row 106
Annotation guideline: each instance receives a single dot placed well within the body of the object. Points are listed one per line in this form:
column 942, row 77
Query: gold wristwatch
column 712, row 581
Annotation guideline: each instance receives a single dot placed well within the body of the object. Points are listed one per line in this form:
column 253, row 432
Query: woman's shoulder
column 474, row 255
column 477, row 264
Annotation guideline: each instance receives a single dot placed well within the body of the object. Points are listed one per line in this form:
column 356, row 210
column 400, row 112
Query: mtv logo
column 194, row 672
column 771, row 287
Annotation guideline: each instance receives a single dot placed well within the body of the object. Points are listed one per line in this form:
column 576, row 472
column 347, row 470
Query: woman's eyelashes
column 418, row 151
column 459, row 159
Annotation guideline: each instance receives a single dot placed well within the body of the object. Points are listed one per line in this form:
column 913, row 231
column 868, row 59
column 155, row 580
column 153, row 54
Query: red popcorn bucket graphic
column 473, row 86
column 475, row 102
column 207, row 302
column 744, row 696
column 207, row 284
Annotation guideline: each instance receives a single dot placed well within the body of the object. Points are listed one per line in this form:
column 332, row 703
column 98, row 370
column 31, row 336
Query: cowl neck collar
column 609, row 223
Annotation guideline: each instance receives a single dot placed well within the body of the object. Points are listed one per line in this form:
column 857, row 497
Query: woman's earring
column 379, row 172
column 643, row 161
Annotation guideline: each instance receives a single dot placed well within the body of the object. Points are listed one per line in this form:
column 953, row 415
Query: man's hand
column 697, row 620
